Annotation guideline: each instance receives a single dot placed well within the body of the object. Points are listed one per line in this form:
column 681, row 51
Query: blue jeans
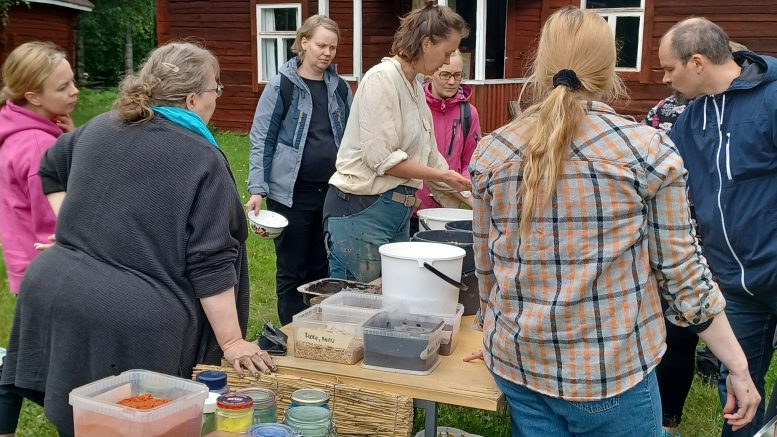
column 356, row 226
column 635, row 412
column 753, row 321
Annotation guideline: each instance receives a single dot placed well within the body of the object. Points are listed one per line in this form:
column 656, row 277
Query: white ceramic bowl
column 267, row 224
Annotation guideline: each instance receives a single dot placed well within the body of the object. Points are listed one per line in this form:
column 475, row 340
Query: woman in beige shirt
column 388, row 149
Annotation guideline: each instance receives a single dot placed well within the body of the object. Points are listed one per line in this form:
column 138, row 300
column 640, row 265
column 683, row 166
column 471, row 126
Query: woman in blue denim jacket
column 297, row 129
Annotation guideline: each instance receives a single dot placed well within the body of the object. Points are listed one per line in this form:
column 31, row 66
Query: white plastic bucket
column 406, row 278
column 435, row 218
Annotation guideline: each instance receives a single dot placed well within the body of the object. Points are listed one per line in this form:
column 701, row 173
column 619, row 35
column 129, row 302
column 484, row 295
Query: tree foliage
column 104, row 36
column 5, row 5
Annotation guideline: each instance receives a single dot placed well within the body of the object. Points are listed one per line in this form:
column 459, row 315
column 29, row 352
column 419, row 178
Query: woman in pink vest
column 37, row 96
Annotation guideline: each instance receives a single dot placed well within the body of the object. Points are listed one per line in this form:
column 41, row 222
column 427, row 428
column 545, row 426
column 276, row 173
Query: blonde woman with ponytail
column 37, row 95
column 581, row 227
column 149, row 270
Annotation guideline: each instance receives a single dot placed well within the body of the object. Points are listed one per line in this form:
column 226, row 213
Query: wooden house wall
column 39, row 22
column 228, row 28
column 224, row 27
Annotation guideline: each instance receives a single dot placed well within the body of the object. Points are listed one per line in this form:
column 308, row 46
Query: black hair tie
column 568, row 78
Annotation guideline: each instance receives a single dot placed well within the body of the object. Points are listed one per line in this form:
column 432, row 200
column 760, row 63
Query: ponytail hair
column 26, row 69
column 169, row 75
column 576, row 54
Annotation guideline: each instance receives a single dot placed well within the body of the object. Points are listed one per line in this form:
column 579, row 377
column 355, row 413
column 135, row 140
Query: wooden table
column 452, row 382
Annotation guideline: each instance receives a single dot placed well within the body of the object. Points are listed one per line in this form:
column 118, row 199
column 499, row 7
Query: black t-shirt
column 318, row 158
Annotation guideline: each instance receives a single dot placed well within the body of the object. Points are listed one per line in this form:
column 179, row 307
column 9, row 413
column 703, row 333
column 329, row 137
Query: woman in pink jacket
column 37, row 96
column 456, row 123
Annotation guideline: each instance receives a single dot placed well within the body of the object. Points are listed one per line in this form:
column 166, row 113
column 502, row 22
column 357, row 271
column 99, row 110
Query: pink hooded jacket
column 457, row 150
column 25, row 214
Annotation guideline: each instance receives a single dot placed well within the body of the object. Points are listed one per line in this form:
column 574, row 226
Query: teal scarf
column 186, row 119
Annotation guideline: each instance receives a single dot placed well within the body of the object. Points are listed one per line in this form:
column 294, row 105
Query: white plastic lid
column 210, row 403
column 446, row 214
column 417, row 250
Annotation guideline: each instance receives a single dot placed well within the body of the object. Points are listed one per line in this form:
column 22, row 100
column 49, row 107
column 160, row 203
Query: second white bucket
column 435, row 218
column 407, row 277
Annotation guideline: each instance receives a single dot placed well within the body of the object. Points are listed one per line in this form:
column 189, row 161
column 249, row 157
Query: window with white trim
column 276, row 27
column 626, row 19
column 487, row 20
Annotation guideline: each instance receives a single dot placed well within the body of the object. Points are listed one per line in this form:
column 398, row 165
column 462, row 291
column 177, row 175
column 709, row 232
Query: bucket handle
column 424, row 225
column 460, row 285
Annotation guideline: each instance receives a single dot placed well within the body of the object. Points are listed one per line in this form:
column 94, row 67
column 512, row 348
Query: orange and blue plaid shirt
column 573, row 311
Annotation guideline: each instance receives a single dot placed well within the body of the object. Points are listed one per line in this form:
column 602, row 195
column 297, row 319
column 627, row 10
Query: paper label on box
column 321, row 337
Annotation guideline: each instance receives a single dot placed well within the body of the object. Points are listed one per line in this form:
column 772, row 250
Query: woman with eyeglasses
column 389, row 150
column 149, row 268
column 456, row 123
column 298, row 126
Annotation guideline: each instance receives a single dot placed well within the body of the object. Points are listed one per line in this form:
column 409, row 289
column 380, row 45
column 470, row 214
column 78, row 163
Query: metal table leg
column 430, row 421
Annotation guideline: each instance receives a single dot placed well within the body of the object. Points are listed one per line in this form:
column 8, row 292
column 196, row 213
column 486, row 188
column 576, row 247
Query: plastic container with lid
column 309, row 397
column 271, row 430
column 402, row 342
column 96, row 412
column 216, row 380
column 209, row 414
column 234, row 413
column 334, row 335
column 360, row 303
column 310, row 421
column 450, row 331
column 265, row 410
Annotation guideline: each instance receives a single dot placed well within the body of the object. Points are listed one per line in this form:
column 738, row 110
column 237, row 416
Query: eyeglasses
column 447, row 75
column 218, row 90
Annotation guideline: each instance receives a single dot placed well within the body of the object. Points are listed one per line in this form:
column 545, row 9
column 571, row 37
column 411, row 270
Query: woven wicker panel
column 356, row 411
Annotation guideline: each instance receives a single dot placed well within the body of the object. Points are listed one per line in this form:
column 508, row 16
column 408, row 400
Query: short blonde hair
column 308, row 29
column 433, row 21
column 169, row 75
column 27, row 68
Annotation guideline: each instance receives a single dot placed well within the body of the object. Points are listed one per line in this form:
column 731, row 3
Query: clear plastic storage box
column 450, row 331
column 402, row 342
column 362, row 303
column 96, row 412
column 333, row 335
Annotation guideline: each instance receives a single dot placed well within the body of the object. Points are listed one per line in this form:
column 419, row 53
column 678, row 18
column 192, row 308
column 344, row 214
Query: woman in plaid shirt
column 581, row 227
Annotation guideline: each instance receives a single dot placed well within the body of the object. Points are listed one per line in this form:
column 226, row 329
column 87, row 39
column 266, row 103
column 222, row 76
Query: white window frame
column 612, row 15
column 279, row 36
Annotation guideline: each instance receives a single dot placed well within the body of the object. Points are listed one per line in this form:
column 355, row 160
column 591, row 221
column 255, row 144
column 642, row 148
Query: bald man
column 727, row 137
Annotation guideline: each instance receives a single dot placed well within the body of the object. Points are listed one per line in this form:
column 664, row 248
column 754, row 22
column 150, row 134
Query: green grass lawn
column 702, row 411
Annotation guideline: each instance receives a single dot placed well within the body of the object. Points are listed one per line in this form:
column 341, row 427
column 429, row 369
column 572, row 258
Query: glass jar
column 216, row 380
column 309, row 421
column 209, row 414
column 234, row 413
column 271, row 430
column 309, row 397
column 264, row 404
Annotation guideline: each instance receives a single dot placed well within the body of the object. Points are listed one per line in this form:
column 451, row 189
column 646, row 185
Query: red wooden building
column 252, row 37
column 43, row 20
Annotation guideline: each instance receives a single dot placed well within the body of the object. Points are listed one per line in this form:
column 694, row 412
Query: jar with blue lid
column 216, row 380
column 309, row 397
column 271, row 430
column 310, row 421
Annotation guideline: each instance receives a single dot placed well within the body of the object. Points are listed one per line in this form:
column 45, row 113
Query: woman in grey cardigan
column 149, row 269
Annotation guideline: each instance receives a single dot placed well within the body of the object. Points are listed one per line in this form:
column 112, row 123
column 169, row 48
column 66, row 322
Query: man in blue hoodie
column 727, row 137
